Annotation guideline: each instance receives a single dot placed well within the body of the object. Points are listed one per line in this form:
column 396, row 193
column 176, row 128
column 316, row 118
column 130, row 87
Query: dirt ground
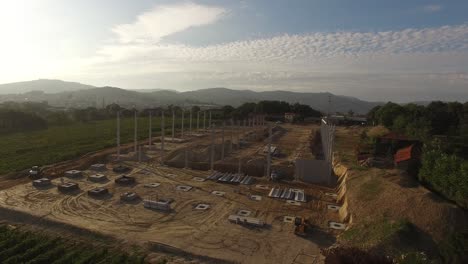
column 199, row 232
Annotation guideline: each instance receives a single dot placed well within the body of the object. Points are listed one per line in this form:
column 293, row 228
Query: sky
column 374, row 50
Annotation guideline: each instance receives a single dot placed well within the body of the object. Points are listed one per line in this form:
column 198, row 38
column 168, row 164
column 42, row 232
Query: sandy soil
column 206, row 233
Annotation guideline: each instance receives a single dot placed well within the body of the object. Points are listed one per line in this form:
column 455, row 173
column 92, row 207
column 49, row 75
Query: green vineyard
column 17, row 246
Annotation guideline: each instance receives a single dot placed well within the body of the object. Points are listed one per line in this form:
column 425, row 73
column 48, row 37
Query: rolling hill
column 69, row 94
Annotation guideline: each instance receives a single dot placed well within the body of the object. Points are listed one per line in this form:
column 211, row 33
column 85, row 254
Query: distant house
column 356, row 120
column 342, row 120
column 388, row 144
column 289, row 117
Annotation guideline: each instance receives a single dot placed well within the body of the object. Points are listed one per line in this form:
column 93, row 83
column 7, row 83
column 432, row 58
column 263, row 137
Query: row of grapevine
column 19, row 246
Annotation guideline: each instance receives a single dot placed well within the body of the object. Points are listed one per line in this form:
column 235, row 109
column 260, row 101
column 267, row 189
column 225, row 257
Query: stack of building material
column 68, row 187
column 41, row 182
column 128, row 196
column 161, row 204
column 287, row 194
column 73, row 174
column 97, row 177
column 121, row 169
column 247, row 180
column 215, row 176
column 98, row 167
column 275, row 192
column 125, row 180
column 225, row 178
column 98, row 191
column 245, row 220
column 299, row 195
column 236, row 179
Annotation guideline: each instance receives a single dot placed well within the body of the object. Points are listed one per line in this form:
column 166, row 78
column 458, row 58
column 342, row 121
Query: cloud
column 163, row 21
column 371, row 65
column 432, row 8
column 308, row 49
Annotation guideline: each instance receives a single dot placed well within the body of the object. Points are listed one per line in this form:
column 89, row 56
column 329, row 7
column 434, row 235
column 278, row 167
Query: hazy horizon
column 394, row 51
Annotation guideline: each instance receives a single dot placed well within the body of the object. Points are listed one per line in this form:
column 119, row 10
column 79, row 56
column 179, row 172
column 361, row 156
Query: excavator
column 302, row 226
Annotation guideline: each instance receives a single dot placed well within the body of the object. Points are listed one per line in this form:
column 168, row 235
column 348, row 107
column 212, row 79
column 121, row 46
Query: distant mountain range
column 70, row 94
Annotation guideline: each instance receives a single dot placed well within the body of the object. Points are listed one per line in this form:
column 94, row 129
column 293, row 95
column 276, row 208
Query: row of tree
column 444, row 120
column 16, row 117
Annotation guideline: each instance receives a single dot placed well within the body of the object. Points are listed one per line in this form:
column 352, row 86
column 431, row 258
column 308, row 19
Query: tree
column 387, row 113
column 305, row 110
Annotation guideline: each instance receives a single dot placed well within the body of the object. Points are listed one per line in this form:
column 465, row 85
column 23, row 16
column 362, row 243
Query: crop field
column 20, row 246
column 22, row 150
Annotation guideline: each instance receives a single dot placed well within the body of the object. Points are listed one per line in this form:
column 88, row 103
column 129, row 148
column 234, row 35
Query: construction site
column 245, row 191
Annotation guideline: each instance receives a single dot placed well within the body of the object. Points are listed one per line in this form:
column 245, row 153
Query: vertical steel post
column 212, row 152
column 183, row 120
column 150, row 129
column 173, row 125
column 209, row 123
column 204, row 120
column 190, row 122
column 222, row 142
column 162, row 137
column 135, row 133
column 118, row 135
column 269, row 153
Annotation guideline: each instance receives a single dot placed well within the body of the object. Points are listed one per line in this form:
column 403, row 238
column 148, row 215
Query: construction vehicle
column 35, row 172
column 302, row 226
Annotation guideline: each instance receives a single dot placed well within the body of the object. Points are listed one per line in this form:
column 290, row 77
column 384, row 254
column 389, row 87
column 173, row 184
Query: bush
column 446, row 174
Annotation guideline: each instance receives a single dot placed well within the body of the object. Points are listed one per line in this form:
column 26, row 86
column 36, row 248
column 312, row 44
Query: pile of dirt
column 379, row 200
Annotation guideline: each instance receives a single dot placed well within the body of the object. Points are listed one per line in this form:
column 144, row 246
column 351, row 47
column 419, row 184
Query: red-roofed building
column 403, row 154
column 387, row 145
column 408, row 158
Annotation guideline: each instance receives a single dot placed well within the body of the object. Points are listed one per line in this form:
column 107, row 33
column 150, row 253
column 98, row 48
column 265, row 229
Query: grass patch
column 367, row 235
column 22, row 150
column 371, row 189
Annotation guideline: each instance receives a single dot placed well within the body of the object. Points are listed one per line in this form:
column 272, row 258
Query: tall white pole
column 232, row 136
column 238, row 134
column 162, row 137
column 212, row 150
column 209, row 123
column 269, row 153
column 150, row 129
column 204, row 120
column 222, row 142
column 183, row 121
column 173, row 125
column 118, row 135
column 190, row 123
column 135, row 132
